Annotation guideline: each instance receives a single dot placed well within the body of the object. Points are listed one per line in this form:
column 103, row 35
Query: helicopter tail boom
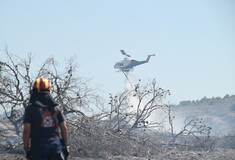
column 148, row 58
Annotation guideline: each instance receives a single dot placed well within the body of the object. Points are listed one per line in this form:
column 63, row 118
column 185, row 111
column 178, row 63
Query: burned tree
column 125, row 128
column 14, row 88
column 194, row 134
column 134, row 107
column 70, row 91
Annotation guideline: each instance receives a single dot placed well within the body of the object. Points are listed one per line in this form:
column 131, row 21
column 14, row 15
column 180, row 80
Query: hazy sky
column 194, row 40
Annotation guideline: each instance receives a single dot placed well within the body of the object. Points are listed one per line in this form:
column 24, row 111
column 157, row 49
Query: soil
column 171, row 155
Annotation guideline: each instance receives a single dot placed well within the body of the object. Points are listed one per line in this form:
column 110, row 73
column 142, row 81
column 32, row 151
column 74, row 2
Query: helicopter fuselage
column 127, row 65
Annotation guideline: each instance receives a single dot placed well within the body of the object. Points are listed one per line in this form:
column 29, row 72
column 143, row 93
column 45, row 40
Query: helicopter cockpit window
column 119, row 64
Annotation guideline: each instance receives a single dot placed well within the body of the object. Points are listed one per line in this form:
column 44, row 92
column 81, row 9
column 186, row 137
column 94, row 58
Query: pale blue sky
column 194, row 40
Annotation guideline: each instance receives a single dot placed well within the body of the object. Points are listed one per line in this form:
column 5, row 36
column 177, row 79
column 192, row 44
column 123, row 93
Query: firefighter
column 45, row 134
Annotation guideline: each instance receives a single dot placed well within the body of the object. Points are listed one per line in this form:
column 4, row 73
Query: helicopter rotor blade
column 124, row 53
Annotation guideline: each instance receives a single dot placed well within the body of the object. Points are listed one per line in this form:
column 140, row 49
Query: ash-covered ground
column 220, row 154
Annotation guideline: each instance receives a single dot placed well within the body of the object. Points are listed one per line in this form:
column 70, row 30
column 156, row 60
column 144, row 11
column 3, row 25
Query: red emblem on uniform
column 47, row 119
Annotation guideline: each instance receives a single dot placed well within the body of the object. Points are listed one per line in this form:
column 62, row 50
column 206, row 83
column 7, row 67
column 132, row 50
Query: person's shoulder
column 58, row 108
column 28, row 110
column 30, row 107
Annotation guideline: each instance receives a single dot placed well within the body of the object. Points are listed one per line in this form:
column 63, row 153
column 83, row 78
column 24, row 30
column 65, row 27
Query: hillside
column 216, row 112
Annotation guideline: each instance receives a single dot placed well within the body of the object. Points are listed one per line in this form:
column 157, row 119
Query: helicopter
column 128, row 64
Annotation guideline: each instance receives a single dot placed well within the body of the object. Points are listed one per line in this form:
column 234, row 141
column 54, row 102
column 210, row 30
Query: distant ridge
column 216, row 112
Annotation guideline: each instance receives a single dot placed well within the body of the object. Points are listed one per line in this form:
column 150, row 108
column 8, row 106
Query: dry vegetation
column 117, row 131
